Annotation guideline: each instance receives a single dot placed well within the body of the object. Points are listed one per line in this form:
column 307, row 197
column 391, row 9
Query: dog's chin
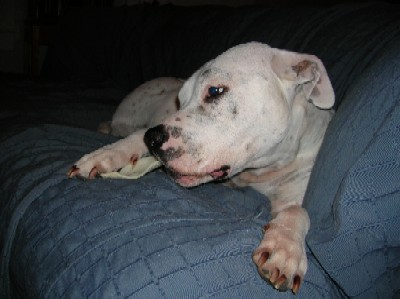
column 194, row 179
column 191, row 180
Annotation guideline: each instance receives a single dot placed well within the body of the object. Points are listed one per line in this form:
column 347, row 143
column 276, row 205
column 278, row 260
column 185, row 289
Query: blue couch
column 150, row 238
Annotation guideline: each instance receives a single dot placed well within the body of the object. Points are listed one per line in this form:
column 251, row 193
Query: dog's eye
column 214, row 92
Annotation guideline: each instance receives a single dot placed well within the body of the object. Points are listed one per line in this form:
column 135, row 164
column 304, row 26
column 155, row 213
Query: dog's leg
column 147, row 105
column 281, row 257
column 111, row 157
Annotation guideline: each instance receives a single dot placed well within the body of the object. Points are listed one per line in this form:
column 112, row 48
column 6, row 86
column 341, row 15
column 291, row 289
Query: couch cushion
column 149, row 238
column 354, row 192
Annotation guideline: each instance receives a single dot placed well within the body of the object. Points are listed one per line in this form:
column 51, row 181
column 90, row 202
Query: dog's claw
column 266, row 227
column 281, row 283
column 263, row 258
column 274, row 276
column 296, row 284
column 134, row 159
column 73, row 171
column 94, row 173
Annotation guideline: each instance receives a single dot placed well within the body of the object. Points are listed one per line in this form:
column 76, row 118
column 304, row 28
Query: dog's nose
column 155, row 137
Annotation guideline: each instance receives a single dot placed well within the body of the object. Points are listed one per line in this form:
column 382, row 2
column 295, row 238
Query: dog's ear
column 309, row 75
column 187, row 90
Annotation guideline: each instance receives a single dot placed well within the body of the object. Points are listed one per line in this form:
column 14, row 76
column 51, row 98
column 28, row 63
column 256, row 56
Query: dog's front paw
column 103, row 160
column 281, row 257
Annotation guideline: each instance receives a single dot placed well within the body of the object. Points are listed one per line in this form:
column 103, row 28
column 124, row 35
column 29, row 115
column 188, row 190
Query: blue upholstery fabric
column 149, row 238
column 359, row 169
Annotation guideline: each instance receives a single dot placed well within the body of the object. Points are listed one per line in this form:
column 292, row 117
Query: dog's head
column 235, row 112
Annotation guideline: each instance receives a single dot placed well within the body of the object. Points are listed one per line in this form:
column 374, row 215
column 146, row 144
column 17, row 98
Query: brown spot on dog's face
column 177, row 119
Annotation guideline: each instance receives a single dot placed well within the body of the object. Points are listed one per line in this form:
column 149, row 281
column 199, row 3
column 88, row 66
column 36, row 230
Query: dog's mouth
column 194, row 179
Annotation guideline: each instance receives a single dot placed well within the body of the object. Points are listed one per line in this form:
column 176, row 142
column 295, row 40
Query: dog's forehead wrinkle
column 246, row 59
column 205, row 73
column 213, row 71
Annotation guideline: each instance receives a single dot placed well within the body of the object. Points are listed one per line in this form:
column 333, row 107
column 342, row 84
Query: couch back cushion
column 354, row 192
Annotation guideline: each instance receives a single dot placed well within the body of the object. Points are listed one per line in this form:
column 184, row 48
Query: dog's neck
column 294, row 157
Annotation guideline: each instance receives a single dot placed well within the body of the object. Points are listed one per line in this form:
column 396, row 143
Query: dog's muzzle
column 155, row 138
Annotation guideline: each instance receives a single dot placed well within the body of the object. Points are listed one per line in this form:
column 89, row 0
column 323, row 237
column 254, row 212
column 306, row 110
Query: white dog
column 254, row 114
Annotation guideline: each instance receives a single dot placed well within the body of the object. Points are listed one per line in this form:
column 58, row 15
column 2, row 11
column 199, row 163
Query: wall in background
column 192, row 2
column 25, row 25
column 18, row 28
column 12, row 16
